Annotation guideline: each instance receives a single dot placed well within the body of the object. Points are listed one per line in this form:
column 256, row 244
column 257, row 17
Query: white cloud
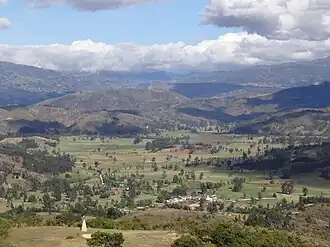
column 87, row 5
column 3, row 1
column 231, row 48
column 275, row 19
column 4, row 23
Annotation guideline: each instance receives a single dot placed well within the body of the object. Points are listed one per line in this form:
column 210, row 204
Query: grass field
column 72, row 237
column 124, row 157
column 131, row 157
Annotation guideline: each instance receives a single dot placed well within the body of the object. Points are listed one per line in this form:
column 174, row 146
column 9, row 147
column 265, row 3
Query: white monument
column 101, row 179
column 84, row 225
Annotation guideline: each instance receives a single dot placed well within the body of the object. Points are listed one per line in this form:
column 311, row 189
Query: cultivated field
column 125, row 158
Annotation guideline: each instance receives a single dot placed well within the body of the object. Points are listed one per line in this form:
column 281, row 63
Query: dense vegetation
column 36, row 160
column 231, row 235
column 290, row 161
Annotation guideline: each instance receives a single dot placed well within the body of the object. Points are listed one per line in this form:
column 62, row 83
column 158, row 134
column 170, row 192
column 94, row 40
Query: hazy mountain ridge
column 105, row 111
column 250, row 80
column 120, row 99
column 96, row 106
column 284, row 75
column 302, row 110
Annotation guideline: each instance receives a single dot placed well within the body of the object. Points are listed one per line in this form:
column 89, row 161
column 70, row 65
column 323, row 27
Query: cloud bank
column 231, row 48
column 86, row 5
column 273, row 31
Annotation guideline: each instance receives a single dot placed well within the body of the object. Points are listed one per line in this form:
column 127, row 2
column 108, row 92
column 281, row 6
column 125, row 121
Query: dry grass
column 57, row 237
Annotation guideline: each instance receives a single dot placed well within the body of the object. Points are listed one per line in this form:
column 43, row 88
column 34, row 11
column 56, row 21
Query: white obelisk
column 84, row 225
column 101, row 179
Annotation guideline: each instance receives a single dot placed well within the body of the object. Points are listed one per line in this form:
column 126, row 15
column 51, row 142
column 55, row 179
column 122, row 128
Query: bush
column 187, row 241
column 104, row 239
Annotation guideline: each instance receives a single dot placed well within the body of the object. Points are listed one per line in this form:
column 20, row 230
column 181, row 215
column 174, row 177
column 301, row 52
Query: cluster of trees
column 160, row 143
column 270, row 218
column 313, row 200
column 44, row 162
column 28, row 143
column 289, row 161
column 233, row 235
column 40, row 161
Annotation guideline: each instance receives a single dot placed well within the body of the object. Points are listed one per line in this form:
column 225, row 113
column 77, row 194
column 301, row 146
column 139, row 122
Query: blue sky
column 165, row 22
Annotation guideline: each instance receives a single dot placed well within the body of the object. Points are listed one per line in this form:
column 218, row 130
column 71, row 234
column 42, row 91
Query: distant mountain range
column 23, row 85
column 281, row 75
column 300, row 110
column 254, row 100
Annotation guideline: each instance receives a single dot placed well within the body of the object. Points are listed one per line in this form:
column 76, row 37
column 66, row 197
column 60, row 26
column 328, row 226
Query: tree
column 104, row 239
column 203, row 188
column 113, row 213
column 237, row 184
column 57, row 194
column 305, row 191
column 212, row 207
column 287, row 187
column 175, row 179
column 187, row 241
column 32, row 199
column 193, row 176
column 48, row 202
column 137, row 140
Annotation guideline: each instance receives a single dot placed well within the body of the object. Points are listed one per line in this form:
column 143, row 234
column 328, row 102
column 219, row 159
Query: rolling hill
column 303, row 110
column 300, row 110
column 124, row 111
column 117, row 99
column 97, row 107
column 23, row 85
